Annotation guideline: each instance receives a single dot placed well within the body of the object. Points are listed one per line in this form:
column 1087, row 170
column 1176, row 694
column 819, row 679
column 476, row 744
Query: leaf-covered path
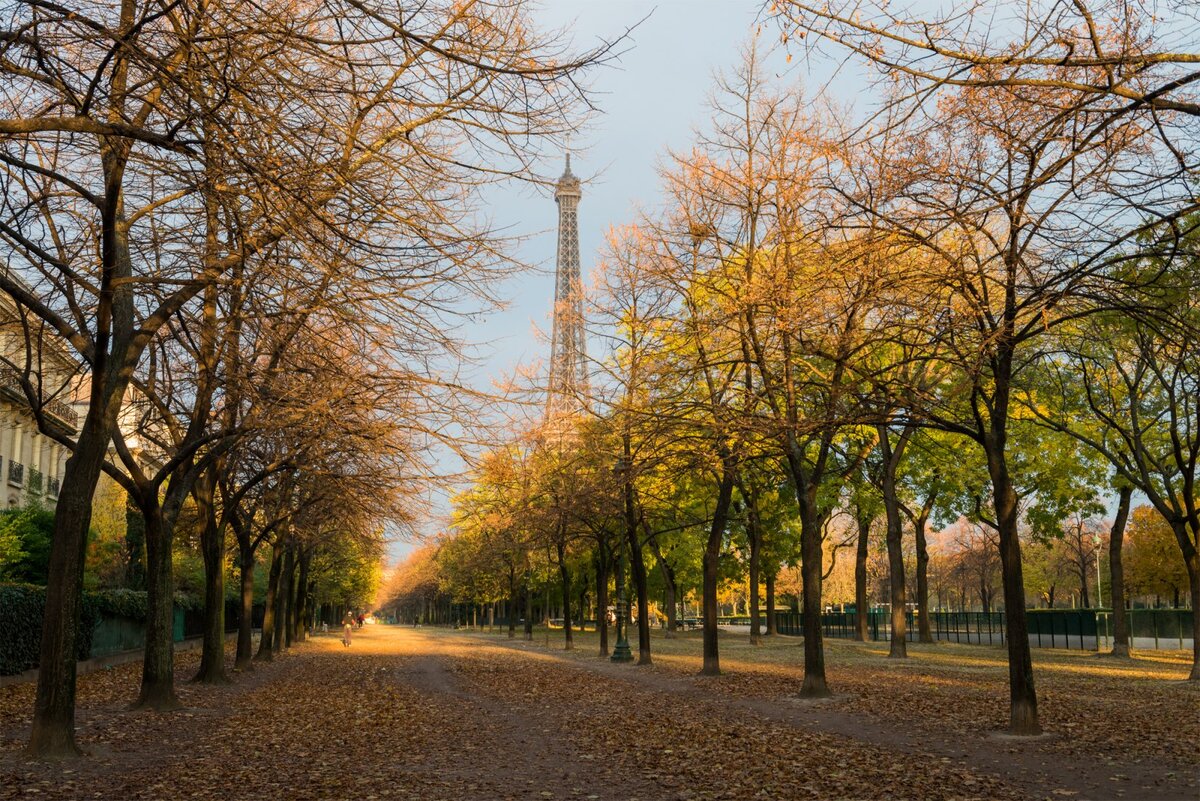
column 420, row 714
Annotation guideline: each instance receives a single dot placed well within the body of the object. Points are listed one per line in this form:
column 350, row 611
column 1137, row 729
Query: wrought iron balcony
column 36, row 483
column 10, row 383
column 16, row 473
column 53, row 486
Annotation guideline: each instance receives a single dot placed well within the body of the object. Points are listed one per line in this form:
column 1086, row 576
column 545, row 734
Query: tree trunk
column 565, row 575
column 892, row 454
column 512, row 602
column 772, row 629
column 1117, row 571
column 528, row 607
column 711, row 568
column 1023, row 716
column 754, row 535
column 300, row 617
column 158, row 660
column 811, row 557
column 898, row 647
column 1193, row 571
column 212, row 546
column 1191, row 561
column 53, row 732
column 672, row 598
column 637, row 567
column 861, row 605
column 1085, row 598
column 924, row 630
column 245, row 643
column 670, row 587
column 283, row 597
column 602, row 595
column 266, row 650
column 637, row 562
column 582, row 608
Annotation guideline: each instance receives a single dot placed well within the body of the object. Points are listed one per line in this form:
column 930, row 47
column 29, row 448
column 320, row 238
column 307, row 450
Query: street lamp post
column 1099, row 596
column 621, row 652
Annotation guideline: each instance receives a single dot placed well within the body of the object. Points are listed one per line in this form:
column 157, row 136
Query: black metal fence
column 1083, row 629
column 1152, row 628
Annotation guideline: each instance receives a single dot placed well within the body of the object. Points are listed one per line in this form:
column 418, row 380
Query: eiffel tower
column 568, row 353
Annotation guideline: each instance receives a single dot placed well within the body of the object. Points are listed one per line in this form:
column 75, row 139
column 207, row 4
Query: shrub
column 22, row 607
column 129, row 604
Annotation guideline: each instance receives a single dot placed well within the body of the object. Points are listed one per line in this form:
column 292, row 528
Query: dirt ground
column 431, row 714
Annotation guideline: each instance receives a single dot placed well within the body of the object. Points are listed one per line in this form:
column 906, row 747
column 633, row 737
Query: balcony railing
column 16, row 473
column 10, row 381
column 36, row 483
column 53, row 486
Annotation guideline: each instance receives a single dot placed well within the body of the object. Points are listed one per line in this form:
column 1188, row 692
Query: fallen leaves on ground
column 1093, row 705
column 406, row 714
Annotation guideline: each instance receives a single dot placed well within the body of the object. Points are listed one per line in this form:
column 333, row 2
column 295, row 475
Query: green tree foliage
column 31, row 527
column 107, row 560
column 348, row 570
column 11, row 552
column 1049, row 577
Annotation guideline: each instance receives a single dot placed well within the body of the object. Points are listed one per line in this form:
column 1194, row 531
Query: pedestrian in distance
column 347, row 625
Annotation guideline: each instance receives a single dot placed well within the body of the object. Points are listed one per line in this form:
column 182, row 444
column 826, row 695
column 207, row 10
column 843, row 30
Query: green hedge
column 134, row 604
column 129, row 604
column 189, row 603
column 22, row 607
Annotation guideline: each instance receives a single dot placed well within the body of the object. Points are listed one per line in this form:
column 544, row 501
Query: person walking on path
column 347, row 625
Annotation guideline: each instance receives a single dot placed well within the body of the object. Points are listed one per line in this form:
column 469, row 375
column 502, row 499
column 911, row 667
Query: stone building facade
column 34, row 363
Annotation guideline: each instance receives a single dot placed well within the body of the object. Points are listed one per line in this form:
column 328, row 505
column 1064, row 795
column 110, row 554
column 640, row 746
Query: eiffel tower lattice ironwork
column 568, row 354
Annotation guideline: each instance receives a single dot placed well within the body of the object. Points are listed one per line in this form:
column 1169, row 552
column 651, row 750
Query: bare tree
column 1140, row 53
